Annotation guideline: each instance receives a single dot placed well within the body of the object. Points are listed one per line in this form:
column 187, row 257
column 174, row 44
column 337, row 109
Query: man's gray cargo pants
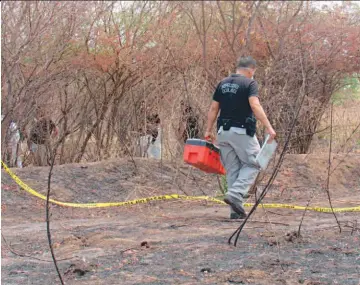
column 238, row 153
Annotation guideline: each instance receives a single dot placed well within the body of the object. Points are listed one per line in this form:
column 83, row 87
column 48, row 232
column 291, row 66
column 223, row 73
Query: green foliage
column 223, row 187
column 224, row 184
column 350, row 90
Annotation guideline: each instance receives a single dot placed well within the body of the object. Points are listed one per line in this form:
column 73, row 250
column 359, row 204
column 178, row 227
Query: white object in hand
column 266, row 152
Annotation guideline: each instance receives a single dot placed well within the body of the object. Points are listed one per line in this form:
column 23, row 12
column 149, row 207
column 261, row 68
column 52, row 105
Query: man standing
column 40, row 135
column 237, row 99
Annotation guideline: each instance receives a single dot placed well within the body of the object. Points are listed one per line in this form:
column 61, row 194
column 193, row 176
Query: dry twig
column 26, row 255
column 48, row 214
column 329, row 167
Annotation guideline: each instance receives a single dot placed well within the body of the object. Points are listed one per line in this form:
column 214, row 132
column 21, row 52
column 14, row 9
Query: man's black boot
column 235, row 204
column 235, row 216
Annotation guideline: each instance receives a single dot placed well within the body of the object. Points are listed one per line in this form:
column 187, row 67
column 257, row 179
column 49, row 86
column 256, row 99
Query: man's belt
column 249, row 125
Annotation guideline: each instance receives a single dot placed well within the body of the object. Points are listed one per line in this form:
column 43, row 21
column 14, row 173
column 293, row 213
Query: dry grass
column 345, row 119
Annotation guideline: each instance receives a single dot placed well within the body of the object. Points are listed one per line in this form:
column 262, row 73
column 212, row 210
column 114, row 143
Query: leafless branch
column 53, row 155
column 329, row 167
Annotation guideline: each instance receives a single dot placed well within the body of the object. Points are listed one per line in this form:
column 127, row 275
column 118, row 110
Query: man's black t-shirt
column 233, row 94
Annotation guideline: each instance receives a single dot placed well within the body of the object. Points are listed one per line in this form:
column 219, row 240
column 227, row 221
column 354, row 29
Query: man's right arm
column 261, row 116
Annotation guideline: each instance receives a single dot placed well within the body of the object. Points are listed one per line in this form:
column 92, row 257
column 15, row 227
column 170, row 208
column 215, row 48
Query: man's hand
column 209, row 136
column 212, row 114
column 261, row 116
column 271, row 133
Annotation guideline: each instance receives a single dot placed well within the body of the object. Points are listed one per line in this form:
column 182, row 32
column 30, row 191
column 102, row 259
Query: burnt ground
column 180, row 242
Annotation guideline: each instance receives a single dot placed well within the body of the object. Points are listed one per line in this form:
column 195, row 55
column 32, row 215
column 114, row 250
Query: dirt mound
column 117, row 180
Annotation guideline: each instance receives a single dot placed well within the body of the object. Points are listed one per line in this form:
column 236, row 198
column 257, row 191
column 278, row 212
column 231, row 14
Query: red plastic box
column 203, row 155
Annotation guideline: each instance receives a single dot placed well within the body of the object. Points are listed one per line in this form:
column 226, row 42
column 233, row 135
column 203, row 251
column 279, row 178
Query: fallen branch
column 29, row 256
column 125, row 250
column 278, row 214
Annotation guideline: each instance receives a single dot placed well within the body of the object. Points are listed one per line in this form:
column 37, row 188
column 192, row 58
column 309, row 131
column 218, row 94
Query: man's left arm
column 212, row 115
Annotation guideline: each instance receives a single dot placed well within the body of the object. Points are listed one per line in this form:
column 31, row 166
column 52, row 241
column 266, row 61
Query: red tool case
column 203, row 155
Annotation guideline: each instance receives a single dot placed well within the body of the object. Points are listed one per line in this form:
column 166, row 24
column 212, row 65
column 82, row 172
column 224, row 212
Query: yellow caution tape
column 28, row 189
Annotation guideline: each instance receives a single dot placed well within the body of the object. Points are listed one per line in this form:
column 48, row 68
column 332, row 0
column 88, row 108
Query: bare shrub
column 92, row 65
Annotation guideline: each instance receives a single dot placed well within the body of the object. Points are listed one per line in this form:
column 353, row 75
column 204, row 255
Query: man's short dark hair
column 246, row 62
